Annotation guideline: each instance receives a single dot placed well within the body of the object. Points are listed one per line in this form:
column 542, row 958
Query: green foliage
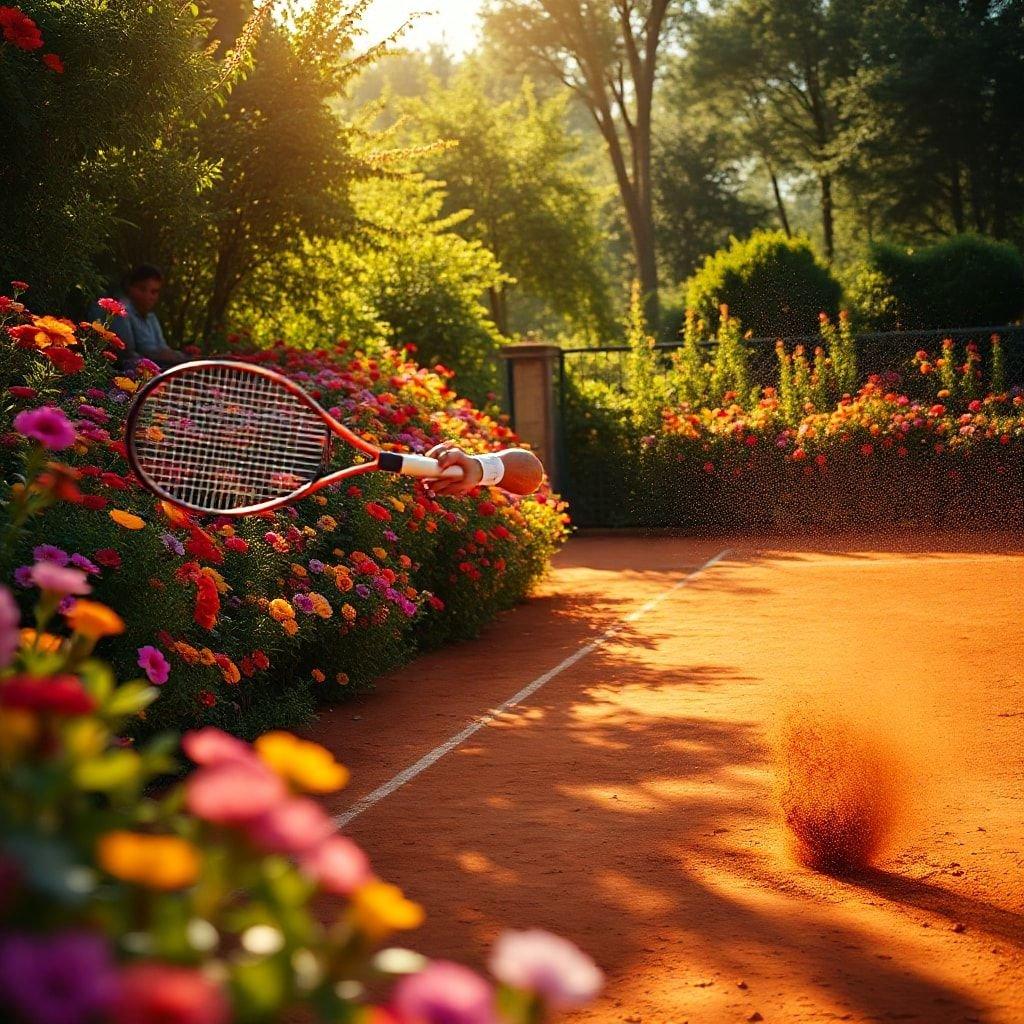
column 773, row 284
column 967, row 281
column 412, row 281
column 730, row 374
column 518, row 170
column 77, row 144
column 645, row 379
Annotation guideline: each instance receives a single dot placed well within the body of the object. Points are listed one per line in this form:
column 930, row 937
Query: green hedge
column 773, row 284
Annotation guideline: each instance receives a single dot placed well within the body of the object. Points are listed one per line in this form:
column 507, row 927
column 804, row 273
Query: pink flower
column 10, row 623
column 211, row 746
column 159, row 994
column 56, row 580
column 154, row 664
column 548, row 966
column 338, row 866
column 233, row 793
column 113, row 307
column 444, row 993
column 294, row 827
column 47, row 425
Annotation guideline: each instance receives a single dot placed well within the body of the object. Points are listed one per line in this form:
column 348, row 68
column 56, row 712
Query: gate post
column 530, row 389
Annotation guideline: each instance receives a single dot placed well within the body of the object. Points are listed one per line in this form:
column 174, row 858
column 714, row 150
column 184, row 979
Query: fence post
column 530, row 370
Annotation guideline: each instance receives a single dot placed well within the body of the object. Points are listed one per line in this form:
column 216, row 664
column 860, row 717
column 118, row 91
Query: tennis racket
column 234, row 439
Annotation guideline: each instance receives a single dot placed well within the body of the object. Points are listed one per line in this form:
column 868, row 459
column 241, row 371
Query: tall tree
column 518, row 171
column 606, row 52
column 781, row 64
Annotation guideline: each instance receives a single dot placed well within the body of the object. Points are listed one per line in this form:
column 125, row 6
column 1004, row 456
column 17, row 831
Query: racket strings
column 223, row 438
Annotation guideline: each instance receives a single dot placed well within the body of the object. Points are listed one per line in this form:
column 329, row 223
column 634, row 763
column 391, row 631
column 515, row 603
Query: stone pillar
column 530, row 373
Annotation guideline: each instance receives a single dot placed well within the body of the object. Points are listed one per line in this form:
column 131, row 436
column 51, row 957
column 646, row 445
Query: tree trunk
column 498, row 301
column 828, row 217
column 956, row 201
column 780, row 205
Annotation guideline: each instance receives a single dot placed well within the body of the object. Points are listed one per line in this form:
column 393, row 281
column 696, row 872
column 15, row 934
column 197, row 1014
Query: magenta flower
column 338, row 866
column 304, row 603
column 154, row 664
column 83, row 563
column 56, row 580
column 10, row 627
column 547, row 965
column 233, row 793
column 294, row 826
column 445, row 993
column 50, row 553
column 47, row 425
column 56, row 979
column 113, row 307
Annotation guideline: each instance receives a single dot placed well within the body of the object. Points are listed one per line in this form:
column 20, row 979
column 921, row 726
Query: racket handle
column 419, row 466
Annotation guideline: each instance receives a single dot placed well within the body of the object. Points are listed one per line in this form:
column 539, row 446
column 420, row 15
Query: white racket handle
column 419, row 466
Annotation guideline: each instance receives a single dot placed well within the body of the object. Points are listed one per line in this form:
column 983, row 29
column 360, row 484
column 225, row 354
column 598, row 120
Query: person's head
column 143, row 286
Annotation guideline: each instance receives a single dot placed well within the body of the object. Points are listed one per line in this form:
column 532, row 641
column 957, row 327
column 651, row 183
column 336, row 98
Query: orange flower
column 290, row 626
column 127, row 519
column 94, row 620
column 305, row 765
column 46, row 642
column 125, row 384
column 281, row 610
column 156, row 862
column 348, row 613
column 51, row 331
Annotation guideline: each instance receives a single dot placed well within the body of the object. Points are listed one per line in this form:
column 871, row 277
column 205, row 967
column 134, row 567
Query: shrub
column 773, row 284
column 966, row 281
column 262, row 618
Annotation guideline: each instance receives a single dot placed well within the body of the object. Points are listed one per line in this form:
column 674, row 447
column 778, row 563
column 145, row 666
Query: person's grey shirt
column 142, row 335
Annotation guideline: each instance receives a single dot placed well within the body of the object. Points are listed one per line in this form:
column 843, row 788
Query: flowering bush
column 247, row 624
column 202, row 902
column 940, row 443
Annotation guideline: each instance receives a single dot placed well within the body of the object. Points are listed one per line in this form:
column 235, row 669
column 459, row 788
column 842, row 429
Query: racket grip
column 418, row 466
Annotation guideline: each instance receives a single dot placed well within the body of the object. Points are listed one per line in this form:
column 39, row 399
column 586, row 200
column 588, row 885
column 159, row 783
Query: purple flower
column 391, row 536
column 118, row 397
column 47, row 425
column 57, row 580
column 49, row 553
column 154, row 664
column 408, row 608
column 445, row 993
column 10, row 627
column 66, row 605
column 316, row 566
column 548, row 966
column 23, row 575
column 99, row 415
column 363, row 591
column 83, row 563
column 304, row 603
column 96, row 395
column 56, row 979
column 392, row 595
column 172, row 543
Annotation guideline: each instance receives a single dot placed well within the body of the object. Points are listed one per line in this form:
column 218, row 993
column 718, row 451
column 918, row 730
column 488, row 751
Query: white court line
column 408, row 774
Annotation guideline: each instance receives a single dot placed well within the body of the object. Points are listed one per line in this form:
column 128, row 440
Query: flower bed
column 940, row 444
column 228, row 897
column 247, row 625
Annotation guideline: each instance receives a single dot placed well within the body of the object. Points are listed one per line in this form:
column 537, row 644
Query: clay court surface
column 628, row 802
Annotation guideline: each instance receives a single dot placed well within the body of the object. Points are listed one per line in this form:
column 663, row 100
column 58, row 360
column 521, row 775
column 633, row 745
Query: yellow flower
column 94, row 620
column 380, row 908
column 281, row 610
column 127, row 519
column 157, row 862
column 306, row 765
column 397, row 505
column 125, row 384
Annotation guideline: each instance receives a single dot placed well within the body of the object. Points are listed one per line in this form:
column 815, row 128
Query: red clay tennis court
column 624, row 797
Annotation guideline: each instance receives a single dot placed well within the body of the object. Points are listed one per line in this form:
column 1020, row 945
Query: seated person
column 140, row 330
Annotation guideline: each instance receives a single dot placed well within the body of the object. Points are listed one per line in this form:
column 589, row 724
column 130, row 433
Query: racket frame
column 418, row 466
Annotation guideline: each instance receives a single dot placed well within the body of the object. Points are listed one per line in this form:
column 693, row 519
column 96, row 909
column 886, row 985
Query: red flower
column 202, row 546
column 94, row 502
column 486, row 508
column 207, row 699
column 237, row 544
column 867, row 449
column 24, row 336
column 113, row 481
column 54, row 63
column 260, row 660
column 59, row 695
column 20, row 31
column 207, row 602
column 19, row 391
column 65, row 360
column 160, row 994
column 378, row 512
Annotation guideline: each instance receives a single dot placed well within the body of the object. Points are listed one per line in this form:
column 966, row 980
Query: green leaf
column 114, row 770
column 98, row 679
column 130, row 699
column 260, row 986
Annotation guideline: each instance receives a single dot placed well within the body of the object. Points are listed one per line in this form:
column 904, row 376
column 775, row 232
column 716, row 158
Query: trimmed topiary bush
column 773, row 284
column 966, row 281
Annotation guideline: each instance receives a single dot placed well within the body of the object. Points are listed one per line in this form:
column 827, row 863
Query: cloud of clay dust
column 844, row 784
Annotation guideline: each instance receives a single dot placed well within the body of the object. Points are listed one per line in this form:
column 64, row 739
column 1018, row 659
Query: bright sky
column 454, row 23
